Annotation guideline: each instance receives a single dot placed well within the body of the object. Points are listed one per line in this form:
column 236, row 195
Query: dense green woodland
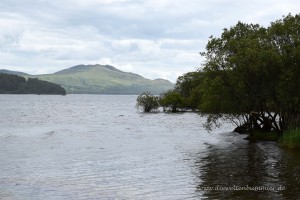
column 13, row 84
column 250, row 77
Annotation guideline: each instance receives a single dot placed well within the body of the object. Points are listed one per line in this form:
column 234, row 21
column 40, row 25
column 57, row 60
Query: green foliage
column 250, row 77
column 147, row 102
column 13, row 84
column 172, row 99
column 187, row 82
column 189, row 87
column 291, row 139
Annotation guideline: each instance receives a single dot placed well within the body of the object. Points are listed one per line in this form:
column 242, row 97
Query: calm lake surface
column 101, row 147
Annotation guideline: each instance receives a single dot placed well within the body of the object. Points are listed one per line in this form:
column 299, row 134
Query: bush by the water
column 147, row 102
column 171, row 99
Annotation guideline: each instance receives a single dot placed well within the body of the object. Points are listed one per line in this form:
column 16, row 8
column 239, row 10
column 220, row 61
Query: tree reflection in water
column 242, row 164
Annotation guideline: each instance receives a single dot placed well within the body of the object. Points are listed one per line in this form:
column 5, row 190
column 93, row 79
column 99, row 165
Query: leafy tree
column 147, row 101
column 172, row 99
column 188, row 85
column 250, row 77
column 187, row 82
column 252, row 72
column 284, row 35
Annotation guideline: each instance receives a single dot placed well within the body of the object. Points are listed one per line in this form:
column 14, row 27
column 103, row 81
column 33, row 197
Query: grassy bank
column 291, row 139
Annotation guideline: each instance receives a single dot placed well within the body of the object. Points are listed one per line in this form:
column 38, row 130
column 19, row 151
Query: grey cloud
column 153, row 37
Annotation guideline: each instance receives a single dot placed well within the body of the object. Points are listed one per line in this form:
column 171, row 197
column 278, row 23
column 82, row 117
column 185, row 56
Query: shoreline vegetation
column 250, row 77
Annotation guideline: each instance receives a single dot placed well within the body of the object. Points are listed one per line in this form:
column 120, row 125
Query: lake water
column 101, row 147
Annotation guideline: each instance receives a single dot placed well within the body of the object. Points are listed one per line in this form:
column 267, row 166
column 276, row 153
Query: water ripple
column 100, row 147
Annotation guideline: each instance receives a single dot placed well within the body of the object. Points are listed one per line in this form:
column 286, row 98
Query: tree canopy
column 250, row 76
column 172, row 99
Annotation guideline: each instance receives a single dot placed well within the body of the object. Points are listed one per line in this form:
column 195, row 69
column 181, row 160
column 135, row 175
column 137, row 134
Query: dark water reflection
column 272, row 171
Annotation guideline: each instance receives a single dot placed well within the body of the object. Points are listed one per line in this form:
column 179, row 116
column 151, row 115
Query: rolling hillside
column 103, row 79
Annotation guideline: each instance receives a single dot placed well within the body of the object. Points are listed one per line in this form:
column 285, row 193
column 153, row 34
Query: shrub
column 172, row 99
column 147, row 101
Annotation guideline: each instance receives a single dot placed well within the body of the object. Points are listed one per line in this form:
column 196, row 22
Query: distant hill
column 14, row 84
column 104, row 79
column 13, row 72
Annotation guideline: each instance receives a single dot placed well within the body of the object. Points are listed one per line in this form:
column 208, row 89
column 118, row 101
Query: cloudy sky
column 154, row 38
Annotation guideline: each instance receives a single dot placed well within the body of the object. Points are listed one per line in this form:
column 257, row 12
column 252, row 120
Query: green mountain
column 103, row 79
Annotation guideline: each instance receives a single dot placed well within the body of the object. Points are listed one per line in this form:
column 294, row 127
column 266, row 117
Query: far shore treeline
column 14, row 84
column 250, row 77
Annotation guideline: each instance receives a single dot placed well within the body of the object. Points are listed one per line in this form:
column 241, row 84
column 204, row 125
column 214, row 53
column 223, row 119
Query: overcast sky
column 154, row 38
